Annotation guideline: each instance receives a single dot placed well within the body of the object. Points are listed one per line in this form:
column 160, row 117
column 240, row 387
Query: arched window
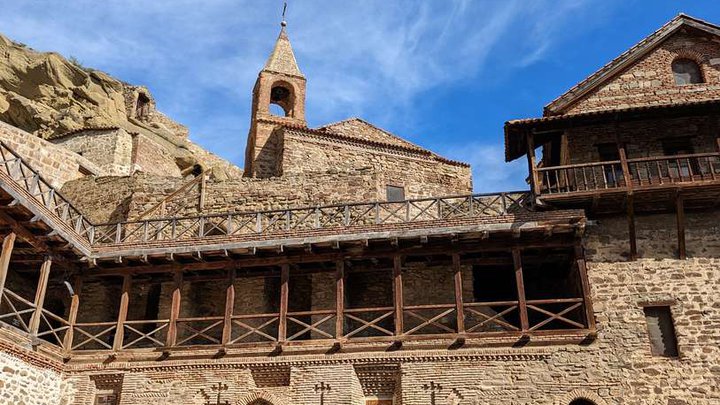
column 686, row 71
column 582, row 401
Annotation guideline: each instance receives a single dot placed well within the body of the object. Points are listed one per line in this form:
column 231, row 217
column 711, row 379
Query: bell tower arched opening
column 278, row 99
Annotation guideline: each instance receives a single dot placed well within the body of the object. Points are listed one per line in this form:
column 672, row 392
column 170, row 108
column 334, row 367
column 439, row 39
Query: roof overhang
column 545, row 128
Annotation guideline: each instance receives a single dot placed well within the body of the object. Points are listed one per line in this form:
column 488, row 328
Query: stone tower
column 278, row 99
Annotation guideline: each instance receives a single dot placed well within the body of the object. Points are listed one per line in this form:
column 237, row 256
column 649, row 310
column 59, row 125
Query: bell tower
column 278, row 99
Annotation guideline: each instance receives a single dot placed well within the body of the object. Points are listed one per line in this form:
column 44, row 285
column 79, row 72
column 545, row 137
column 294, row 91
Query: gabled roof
column 282, row 58
column 637, row 51
column 363, row 130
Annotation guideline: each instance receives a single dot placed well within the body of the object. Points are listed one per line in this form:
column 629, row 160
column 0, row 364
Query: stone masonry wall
column 420, row 176
column 110, row 149
column 120, row 198
column 642, row 139
column 24, row 383
column 617, row 368
column 57, row 165
column 650, row 81
column 152, row 158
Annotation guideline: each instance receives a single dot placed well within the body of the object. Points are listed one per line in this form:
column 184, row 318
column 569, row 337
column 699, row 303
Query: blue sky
column 445, row 74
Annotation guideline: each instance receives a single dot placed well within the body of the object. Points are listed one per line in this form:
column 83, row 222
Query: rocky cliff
column 48, row 95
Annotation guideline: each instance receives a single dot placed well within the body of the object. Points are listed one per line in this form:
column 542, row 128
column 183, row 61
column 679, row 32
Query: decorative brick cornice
column 316, row 360
column 36, row 359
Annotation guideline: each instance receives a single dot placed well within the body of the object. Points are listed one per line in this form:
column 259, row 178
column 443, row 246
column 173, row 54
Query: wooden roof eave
column 516, row 131
column 572, row 223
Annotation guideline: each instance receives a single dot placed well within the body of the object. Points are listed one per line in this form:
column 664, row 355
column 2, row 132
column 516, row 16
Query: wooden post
column 625, row 167
column 587, row 299
column 631, row 226
column 201, row 203
column 522, row 304
column 339, row 299
column 7, row 248
column 229, row 307
column 40, row 296
column 72, row 316
column 122, row 313
column 680, row 211
column 398, row 295
column 532, row 166
column 284, row 296
column 459, row 306
column 171, row 338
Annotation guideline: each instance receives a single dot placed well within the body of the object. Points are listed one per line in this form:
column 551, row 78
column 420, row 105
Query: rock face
column 50, row 96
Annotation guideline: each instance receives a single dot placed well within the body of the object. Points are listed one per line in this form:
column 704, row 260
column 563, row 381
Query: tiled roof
column 638, row 50
column 361, row 129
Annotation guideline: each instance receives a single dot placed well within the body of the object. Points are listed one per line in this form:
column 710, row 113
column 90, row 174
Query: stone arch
column 580, row 394
column 284, row 95
column 260, row 397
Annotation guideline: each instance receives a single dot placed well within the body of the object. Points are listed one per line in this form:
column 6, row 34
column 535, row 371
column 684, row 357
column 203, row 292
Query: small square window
column 395, row 193
column 663, row 341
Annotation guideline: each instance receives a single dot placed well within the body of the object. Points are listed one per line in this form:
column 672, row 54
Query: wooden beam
column 625, row 167
column 23, row 232
column 494, row 246
column 587, row 298
column 339, row 299
column 522, row 302
column 532, row 165
column 171, row 338
column 229, row 307
column 631, row 226
column 7, row 249
column 122, row 313
column 680, row 214
column 72, row 315
column 398, row 295
column 40, row 296
column 459, row 305
column 284, row 296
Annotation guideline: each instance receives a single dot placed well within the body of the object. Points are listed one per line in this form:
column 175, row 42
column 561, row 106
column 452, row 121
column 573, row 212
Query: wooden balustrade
column 311, row 218
column 629, row 173
column 400, row 321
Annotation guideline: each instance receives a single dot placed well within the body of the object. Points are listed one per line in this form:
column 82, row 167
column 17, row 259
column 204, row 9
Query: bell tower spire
column 278, row 99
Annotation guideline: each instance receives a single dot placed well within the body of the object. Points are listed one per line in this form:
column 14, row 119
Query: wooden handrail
column 634, row 160
column 180, row 189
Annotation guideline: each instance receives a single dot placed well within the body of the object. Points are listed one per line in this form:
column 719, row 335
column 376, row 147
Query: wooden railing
column 340, row 216
column 311, row 218
column 93, row 336
column 18, row 310
column 43, row 194
column 629, row 173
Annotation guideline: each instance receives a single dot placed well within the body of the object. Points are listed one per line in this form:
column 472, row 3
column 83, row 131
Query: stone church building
column 344, row 265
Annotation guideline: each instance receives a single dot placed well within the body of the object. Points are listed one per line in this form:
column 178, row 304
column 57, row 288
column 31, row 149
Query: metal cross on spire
column 283, row 23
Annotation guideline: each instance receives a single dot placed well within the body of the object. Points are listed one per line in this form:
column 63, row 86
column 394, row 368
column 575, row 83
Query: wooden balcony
column 696, row 175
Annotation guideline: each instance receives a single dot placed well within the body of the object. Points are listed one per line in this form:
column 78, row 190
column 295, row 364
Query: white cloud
column 490, row 172
column 370, row 57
